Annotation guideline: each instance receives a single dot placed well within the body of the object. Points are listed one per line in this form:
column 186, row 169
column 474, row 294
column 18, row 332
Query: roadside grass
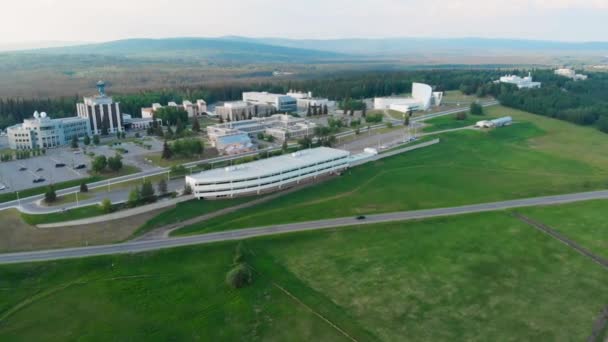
column 17, row 235
column 156, row 158
column 459, row 96
column 449, row 122
column 523, row 160
column 583, row 222
column 187, row 210
column 481, row 277
column 68, row 215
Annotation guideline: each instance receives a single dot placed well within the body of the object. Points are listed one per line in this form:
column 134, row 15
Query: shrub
column 106, row 206
column 239, row 276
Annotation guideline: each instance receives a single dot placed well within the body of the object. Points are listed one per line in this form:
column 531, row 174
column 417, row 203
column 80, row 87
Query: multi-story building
column 241, row 110
column 270, row 174
column 280, row 126
column 101, row 111
column 41, row 132
column 193, row 110
column 306, row 100
column 281, row 102
column 521, row 83
column 422, row 98
column 570, row 73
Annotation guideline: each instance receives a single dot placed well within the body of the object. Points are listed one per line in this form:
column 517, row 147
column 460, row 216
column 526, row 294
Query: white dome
column 43, row 115
column 36, row 115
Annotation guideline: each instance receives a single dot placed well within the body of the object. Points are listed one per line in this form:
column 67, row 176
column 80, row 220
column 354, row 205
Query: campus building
column 193, row 109
column 241, row 110
column 270, row 174
column 305, row 100
column 571, row 74
column 280, row 126
column 280, row 102
column 422, row 98
column 101, row 111
column 521, row 83
column 41, row 132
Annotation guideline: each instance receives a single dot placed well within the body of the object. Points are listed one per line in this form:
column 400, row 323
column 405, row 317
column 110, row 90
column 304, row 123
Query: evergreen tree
column 196, row 127
column 74, row 143
column 50, row 195
column 134, row 197
column 87, row 140
column 95, row 139
column 147, row 194
column 167, row 153
column 84, row 187
column 325, row 110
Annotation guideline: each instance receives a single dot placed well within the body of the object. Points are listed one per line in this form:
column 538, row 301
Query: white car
column 2, row 187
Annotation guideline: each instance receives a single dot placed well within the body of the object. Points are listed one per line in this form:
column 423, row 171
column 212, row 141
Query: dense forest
column 355, row 85
column 579, row 102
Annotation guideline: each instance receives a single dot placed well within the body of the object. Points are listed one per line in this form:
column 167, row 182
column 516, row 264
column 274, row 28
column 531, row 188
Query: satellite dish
column 43, row 115
column 36, row 115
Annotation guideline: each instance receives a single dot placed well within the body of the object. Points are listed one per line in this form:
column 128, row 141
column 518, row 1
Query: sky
column 103, row 20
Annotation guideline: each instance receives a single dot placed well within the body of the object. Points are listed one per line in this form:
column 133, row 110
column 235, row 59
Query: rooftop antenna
column 101, row 88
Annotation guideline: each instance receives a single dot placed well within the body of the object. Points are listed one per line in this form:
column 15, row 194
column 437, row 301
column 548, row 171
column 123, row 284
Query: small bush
column 240, row 276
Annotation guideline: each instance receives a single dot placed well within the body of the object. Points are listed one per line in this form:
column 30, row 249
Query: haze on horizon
column 93, row 21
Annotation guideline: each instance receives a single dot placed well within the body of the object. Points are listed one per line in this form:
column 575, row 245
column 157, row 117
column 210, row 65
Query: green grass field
column 187, row 210
column 583, row 222
column 449, row 121
column 481, row 277
column 537, row 156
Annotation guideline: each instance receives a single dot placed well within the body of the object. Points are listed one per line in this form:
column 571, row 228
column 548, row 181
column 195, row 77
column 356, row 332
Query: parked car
column 60, row 165
column 2, row 186
column 23, row 168
column 38, row 180
column 79, row 166
column 39, row 169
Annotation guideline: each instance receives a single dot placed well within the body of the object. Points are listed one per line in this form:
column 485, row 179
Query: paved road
column 141, row 246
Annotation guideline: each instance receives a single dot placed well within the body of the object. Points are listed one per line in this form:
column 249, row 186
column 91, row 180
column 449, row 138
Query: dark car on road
column 79, row 166
column 23, row 168
column 38, row 180
column 361, row 217
column 60, row 165
column 39, row 169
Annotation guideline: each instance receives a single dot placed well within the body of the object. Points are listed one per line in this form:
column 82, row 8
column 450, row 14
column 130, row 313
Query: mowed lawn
column 537, row 156
column 583, row 222
column 480, row 277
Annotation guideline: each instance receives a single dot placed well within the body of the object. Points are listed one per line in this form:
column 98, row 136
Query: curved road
column 149, row 245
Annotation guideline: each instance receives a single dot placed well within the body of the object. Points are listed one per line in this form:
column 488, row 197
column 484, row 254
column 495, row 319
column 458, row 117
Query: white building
column 305, row 100
column 280, row 126
column 241, row 110
column 570, row 73
column 268, row 175
column 422, row 98
column 193, row 110
column 41, row 132
column 101, row 111
column 500, row 122
column 281, row 102
column 521, row 83
column 232, row 144
column 138, row 123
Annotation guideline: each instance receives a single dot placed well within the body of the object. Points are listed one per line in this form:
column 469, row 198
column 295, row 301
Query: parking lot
column 20, row 174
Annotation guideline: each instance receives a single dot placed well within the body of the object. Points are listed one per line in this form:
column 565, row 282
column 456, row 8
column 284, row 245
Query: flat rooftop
column 264, row 167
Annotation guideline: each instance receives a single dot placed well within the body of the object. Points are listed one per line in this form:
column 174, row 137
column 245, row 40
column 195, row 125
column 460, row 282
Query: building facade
column 281, row 102
column 101, row 111
column 241, row 110
column 42, row 132
column 571, row 74
column 423, row 98
column 270, row 174
column 521, row 83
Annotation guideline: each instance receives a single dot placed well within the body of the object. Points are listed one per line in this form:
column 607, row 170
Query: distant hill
column 405, row 46
column 212, row 49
